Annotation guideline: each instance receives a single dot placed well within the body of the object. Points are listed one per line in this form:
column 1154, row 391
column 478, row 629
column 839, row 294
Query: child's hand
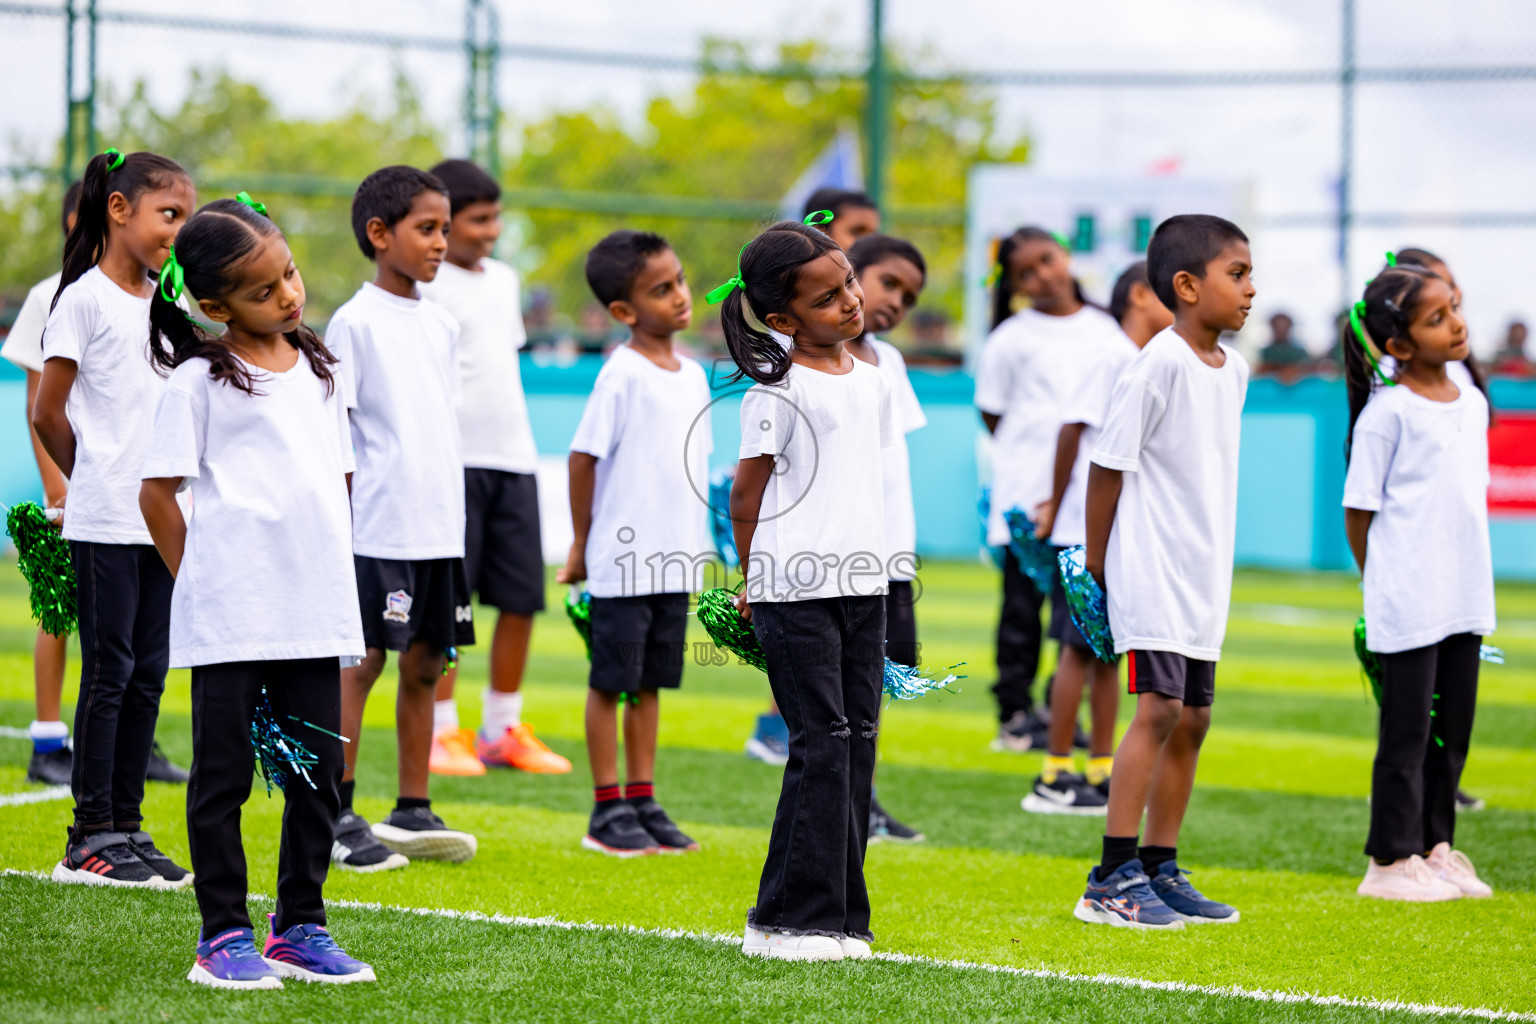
column 575, row 568
column 742, row 607
column 1097, row 572
column 1044, row 516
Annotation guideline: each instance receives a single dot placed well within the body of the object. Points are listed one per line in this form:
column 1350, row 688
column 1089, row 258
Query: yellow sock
column 1099, row 768
column 1054, row 766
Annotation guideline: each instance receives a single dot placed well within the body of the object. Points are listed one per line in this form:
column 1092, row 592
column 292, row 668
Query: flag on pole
column 837, row 166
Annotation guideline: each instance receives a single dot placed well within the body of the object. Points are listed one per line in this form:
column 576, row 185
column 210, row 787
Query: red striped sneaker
column 105, row 858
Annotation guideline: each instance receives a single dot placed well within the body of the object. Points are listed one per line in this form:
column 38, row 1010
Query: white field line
column 1297, row 615
column 1257, row 995
column 10, row 732
column 37, row 796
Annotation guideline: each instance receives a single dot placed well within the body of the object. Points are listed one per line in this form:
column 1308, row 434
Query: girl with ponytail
column 93, row 413
column 253, row 424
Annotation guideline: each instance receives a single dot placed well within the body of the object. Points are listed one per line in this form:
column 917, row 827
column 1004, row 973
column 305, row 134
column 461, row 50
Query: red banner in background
column 1512, row 464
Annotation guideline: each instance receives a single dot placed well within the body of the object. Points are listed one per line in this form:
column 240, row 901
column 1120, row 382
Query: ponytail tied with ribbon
column 1373, row 355
column 718, row 295
column 821, row 218
column 172, row 279
column 117, row 158
column 261, row 208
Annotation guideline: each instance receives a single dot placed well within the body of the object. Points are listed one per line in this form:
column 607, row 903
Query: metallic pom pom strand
column 721, row 528
column 578, row 608
column 42, row 555
column 1036, row 558
column 725, row 626
column 1086, row 602
column 903, row 682
column 279, row 754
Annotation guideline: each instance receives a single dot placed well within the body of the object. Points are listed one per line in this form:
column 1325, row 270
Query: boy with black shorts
column 400, row 377
column 638, row 462
column 1162, row 510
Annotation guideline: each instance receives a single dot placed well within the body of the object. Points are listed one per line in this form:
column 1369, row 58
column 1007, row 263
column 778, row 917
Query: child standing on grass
column 93, row 414
column 503, row 560
column 1059, row 789
column 401, row 375
column 813, row 429
column 639, row 457
column 1161, row 520
column 1418, row 476
column 265, row 604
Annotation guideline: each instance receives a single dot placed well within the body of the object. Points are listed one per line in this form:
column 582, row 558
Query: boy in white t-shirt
column 399, row 366
column 502, row 555
column 638, row 463
column 1161, row 519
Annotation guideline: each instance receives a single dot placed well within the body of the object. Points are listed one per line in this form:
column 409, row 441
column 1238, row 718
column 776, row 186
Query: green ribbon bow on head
column 1357, row 325
column 819, row 218
column 717, row 295
column 1062, row 240
column 245, row 197
column 117, row 159
column 1391, row 259
column 172, row 280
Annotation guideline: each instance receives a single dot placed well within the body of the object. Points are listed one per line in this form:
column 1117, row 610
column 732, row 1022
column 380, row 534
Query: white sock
column 48, row 730
column 501, row 711
column 445, row 715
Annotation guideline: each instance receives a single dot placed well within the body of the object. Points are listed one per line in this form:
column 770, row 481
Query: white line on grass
column 37, row 796
column 1257, row 995
column 10, row 732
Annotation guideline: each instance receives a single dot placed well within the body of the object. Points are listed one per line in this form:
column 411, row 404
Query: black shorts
column 638, row 643
column 1173, row 675
column 1063, row 630
column 503, row 557
column 408, row 601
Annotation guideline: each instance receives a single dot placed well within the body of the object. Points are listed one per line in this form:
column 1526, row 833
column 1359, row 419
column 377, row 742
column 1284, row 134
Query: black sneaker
column 668, row 836
column 1468, row 802
column 105, row 858
column 161, row 769
column 1069, row 794
column 1022, row 731
column 1103, row 788
column 884, row 828
column 1079, row 738
column 174, row 875
column 356, row 848
column 615, row 829
column 52, row 768
column 421, row 835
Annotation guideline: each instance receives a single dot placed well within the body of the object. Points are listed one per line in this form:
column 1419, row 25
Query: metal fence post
column 482, row 109
column 1346, row 147
column 876, row 131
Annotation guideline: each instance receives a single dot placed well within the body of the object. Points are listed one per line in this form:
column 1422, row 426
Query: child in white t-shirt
column 1418, row 476
column 265, row 603
column 1161, row 521
column 400, row 369
column 639, row 465
column 503, row 558
column 809, row 481
column 1059, row 789
column 93, row 414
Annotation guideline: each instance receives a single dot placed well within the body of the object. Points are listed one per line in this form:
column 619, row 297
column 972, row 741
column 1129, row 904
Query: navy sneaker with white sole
column 172, row 875
column 1173, row 888
column 615, row 829
column 230, row 960
column 421, row 835
column 105, row 858
column 1068, row 794
column 1125, row 900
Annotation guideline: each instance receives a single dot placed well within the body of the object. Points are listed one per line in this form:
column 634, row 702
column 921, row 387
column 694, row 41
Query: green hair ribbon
column 1391, row 259
column 117, row 159
column 719, row 294
column 1357, row 324
column 172, row 279
column 245, row 197
column 819, row 218
column 993, row 276
column 1062, row 240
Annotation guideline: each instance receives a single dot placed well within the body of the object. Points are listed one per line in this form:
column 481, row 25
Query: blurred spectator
column 1511, row 360
column 1282, row 356
column 930, row 329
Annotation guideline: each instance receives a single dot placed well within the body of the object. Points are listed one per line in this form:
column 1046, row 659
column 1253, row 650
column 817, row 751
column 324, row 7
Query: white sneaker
column 1409, row 880
column 797, row 947
column 855, row 949
column 755, row 942
column 1454, row 867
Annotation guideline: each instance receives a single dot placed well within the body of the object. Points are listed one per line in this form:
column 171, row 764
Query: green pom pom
column 578, row 605
column 725, row 626
column 42, row 554
column 1370, row 661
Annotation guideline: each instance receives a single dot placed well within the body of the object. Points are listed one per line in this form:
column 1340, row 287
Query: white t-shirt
column 1457, row 371
column 1089, row 405
column 821, row 530
column 896, row 464
column 267, row 570
column 1030, row 365
column 401, row 375
column 24, row 345
column 1173, row 430
column 1422, row 467
column 105, row 331
column 649, row 429
column 493, row 414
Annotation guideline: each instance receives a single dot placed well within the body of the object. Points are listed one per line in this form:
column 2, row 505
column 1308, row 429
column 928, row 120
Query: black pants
column 224, row 700
column 901, row 644
column 1018, row 640
column 824, row 665
column 1414, row 779
column 124, row 593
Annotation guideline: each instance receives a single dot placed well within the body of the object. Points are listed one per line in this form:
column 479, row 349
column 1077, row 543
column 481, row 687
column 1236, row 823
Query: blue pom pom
column 1086, row 602
column 720, row 515
column 903, row 682
column 278, row 755
column 1036, row 558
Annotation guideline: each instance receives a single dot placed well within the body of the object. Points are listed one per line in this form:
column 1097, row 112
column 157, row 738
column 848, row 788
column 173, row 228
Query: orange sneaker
column 453, row 753
column 519, row 748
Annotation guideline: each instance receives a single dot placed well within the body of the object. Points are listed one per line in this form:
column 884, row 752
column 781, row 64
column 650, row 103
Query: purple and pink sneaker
column 230, row 960
column 308, row 953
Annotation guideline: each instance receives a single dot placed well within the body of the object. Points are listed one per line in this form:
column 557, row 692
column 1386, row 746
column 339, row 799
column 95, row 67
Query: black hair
column 1120, row 298
column 770, row 271
column 388, row 194
column 616, row 261
column 872, row 249
column 1002, row 291
column 1413, row 257
column 87, row 243
column 467, row 183
column 835, row 199
column 1187, row 242
column 71, row 205
column 210, row 248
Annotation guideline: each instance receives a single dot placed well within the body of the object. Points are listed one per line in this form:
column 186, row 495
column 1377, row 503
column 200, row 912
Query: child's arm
column 1357, row 525
column 752, row 476
column 1103, row 499
column 583, row 471
column 157, row 500
column 1066, row 457
column 48, row 416
column 55, row 487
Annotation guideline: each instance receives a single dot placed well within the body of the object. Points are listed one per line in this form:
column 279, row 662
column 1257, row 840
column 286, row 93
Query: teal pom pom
column 1036, row 558
column 720, row 524
column 1086, row 602
column 42, row 554
column 725, row 626
column 578, row 606
column 278, row 755
column 903, row 682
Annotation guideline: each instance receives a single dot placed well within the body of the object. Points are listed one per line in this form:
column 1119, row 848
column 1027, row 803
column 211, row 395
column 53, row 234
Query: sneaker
column 855, row 949
column 802, row 947
column 519, row 748
column 1024, row 730
column 1173, row 888
column 1453, row 866
column 1069, row 794
column 453, row 753
column 161, row 769
column 1125, row 899
column 308, row 953
column 420, row 834
column 230, row 960
column 615, row 829
column 1102, row 788
column 105, row 858
column 173, row 875
column 1409, row 879
column 356, row 848
column 769, row 742
column 669, row 838
column 884, row 828
column 52, row 768
column 1468, row 802
column 755, row 942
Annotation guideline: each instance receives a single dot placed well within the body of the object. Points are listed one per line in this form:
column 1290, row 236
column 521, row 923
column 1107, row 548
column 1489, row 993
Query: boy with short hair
column 400, row 379
column 1162, row 510
column 854, row 214
column 638, row 462
column 502, row 557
